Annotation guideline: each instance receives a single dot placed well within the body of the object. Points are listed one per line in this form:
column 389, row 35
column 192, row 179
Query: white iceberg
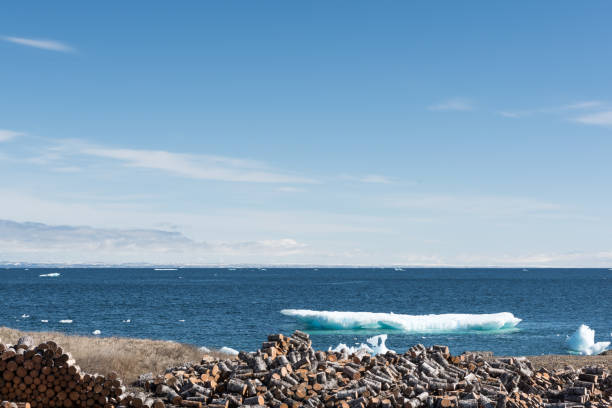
column 375, row 345
column 407, row 323
column 49, row 275
column 228, row 350
column 583, row 342
column 66, row 321
column 96, row 332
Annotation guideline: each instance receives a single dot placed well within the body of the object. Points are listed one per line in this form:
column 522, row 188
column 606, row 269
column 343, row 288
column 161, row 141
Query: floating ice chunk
column 358, row 350
column 375, row 345
column 49, row 275
column 96, row 332
column 228, row 350
column 406, row 323
column 127, row 321
column 378, row 344
column 66, row 321
column 583, row 342
column 182, row 320
column 25, row 316
column 44, row 321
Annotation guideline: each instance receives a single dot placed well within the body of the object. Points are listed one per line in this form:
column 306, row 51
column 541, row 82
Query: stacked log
column 47, row 376
column 287, row 373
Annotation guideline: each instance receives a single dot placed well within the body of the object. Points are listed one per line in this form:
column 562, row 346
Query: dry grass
column 557, row 361
column 128, row 357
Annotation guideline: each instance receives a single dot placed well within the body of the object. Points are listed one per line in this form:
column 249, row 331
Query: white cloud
column 599, row 119
column 38, row 242
column 203, row 167
column 481, row 206
column 556, row 110
column 544, row 259
column 510, row 114
column 583, row 105
column 377, row 179
column 50, row 45
column 6, row 135
column 456, row 104
column 368, row 178
column 290, row 189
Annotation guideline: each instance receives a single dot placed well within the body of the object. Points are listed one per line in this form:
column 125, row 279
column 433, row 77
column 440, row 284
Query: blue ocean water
column 238, row 308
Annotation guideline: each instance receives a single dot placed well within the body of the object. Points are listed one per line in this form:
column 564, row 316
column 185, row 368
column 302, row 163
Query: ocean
column 219, row 307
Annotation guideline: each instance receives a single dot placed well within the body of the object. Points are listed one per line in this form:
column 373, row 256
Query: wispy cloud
column 71, row 155
column 455, row 104
column 203, row 167
column 481, row 206
column 583, row 105
column 6, row 135
column 376, row 179
column 38, row 242
column 50, row 45
column 541, row 259
column 554, row 110
column 368, row 178
column 600, row 118
column 290, row 189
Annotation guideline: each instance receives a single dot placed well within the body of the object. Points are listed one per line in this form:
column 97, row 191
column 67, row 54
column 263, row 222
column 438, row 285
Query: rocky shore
column 286, row 372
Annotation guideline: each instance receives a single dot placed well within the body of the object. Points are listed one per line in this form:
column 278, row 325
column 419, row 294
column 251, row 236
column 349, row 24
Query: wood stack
column 287, row 373
column 47, row 376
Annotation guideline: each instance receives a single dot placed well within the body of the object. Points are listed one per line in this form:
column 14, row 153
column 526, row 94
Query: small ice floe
column 127, row 321
column 66, row 321
column 583, row 342
column 44, row 321
column 49, row 275
column 182, row 320
column 96, row 332
column 25, row 316
column 375, row 345
column 228, row 350
column 165, row 269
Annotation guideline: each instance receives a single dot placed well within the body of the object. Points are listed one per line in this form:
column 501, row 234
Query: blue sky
column 355, row 133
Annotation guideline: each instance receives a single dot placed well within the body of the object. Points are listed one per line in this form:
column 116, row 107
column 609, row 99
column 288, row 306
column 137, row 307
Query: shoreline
column 547, row 361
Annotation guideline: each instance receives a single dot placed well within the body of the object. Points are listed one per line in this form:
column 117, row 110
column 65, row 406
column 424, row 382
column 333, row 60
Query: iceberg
column 583, row 342
column 228, row 350
column 374, row 345
column 96, row 332
column 49, row 275
column 328, row 320
column 66, row 321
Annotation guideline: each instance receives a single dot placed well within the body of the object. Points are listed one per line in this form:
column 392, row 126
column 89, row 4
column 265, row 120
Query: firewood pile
column 287, row 373
column 47, row 376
